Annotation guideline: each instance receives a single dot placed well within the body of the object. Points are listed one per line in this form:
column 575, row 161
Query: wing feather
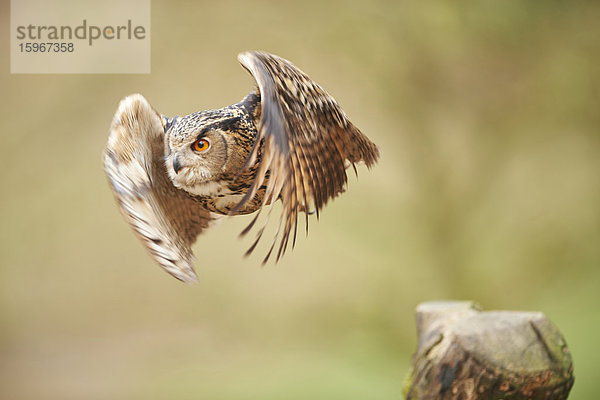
column 306, row 138
column 165, row 218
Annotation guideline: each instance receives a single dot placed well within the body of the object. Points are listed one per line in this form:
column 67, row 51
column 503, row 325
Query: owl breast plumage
column 287, row 141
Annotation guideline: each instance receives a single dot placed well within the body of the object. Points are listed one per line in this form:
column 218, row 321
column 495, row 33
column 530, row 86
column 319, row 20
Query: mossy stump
column 465, row 353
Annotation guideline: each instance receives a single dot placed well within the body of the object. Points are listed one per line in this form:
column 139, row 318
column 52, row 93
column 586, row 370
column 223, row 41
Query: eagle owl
column 287, row 140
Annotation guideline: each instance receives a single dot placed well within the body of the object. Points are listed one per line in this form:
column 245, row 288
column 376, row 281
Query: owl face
column 203, row 150
column 196, row 159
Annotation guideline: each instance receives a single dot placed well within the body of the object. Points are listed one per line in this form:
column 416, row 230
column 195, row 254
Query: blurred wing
column 306, row 141
column 165, row 218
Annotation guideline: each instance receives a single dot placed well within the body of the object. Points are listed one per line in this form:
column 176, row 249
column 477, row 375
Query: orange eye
column 201, row 145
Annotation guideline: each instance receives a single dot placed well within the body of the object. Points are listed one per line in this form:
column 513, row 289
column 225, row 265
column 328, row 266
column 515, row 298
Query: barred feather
column 307, row 140
column 165, row 219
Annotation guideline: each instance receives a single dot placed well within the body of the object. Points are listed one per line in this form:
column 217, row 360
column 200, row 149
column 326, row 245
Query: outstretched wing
column 165, row 218
column 307, row 143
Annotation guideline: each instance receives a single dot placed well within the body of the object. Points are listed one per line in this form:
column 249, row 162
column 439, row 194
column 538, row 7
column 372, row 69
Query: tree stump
column 465, row 353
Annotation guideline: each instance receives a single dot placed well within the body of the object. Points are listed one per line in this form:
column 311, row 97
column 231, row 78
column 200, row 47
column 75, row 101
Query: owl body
column 287, row 141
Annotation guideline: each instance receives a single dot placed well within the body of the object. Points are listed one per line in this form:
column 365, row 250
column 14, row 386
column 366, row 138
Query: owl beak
column 176, row 164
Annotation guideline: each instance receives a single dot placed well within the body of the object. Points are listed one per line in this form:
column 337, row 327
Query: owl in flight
column 287, row 140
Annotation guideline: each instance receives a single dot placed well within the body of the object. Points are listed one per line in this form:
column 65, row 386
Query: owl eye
column 201, row 145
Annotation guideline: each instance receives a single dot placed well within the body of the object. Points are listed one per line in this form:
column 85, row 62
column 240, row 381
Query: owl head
column 204, row 150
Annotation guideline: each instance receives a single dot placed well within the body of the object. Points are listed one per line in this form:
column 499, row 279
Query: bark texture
column 465, row 353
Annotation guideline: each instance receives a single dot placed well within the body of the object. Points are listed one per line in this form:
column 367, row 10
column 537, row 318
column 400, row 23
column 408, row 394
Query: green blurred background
column 488, row 188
